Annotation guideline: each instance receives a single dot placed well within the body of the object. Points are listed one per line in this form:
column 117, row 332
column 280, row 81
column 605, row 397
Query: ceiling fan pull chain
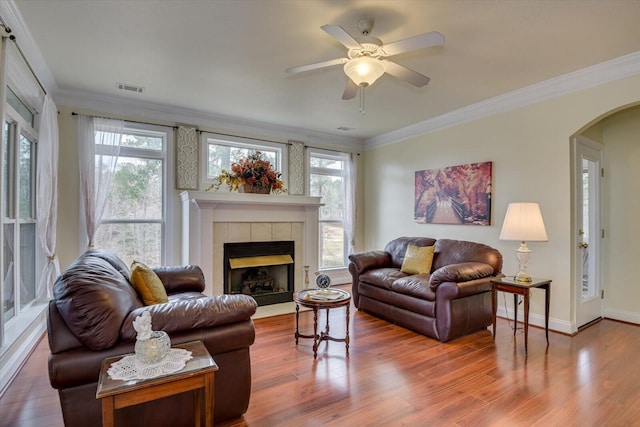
column 362, row 100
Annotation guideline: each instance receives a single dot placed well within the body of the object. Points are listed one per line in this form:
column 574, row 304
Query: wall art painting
column 454, row 195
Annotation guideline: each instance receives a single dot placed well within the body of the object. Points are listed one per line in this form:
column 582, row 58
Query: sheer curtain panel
column 47, row 196
column 99, row 141
column 350, row 199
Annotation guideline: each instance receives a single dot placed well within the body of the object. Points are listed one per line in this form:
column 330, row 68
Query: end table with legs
column 322, row 299
column 519, row 288
column 196, row 376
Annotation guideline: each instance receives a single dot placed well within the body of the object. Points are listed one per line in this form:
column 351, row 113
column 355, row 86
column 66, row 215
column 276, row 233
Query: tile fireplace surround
column 210, row 219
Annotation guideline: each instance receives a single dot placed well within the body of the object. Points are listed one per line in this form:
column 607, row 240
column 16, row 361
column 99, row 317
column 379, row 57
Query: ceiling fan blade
column 340, row 34
column 317, row 65
column 421, row 41
column 403, row 73
column 350, row 91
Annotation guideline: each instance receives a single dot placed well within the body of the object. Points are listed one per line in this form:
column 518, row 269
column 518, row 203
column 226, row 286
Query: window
column 221, row 153
column 327, row 179
column 134, row 221
column 18, row 214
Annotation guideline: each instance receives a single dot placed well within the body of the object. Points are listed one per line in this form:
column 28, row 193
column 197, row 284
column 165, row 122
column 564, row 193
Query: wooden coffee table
column 305, row 298
column 197, row 375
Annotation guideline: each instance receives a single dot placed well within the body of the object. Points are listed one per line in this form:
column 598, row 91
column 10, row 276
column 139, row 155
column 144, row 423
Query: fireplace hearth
column 263, row 270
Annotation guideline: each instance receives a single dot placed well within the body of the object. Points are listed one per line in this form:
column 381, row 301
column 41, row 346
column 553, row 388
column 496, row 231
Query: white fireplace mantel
column 202, row 211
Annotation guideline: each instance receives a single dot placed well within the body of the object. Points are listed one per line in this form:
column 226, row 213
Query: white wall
column 530, row 151
column 621, row 140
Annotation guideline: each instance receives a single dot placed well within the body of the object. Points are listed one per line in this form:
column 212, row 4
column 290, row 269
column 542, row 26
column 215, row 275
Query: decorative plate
column 323, row 281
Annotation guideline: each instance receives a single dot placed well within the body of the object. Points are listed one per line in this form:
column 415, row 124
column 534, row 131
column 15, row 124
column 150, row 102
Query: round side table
column 316, row 299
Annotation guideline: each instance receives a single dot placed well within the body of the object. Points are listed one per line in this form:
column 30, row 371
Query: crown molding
column 586, row 78
column 123, row 107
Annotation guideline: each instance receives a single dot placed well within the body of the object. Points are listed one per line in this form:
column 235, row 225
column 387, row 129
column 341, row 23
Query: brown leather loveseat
column 452, row 300
column 90, row 318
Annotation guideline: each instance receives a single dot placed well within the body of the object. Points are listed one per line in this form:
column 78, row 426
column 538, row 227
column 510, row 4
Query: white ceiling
column 227, row 57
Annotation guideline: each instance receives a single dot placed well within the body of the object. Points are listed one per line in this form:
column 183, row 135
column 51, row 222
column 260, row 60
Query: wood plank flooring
column 395, row 377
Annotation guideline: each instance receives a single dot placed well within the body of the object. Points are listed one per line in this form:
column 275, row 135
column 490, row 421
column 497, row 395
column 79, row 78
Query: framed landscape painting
column 454, row 195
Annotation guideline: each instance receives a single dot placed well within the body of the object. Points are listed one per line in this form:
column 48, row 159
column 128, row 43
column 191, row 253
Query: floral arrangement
column 255, row 170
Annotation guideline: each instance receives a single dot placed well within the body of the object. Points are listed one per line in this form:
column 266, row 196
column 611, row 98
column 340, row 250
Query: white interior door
column 588, row 178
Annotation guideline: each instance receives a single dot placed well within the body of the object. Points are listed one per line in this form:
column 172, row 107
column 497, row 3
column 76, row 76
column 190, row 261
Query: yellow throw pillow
column 147, row 283
column 417, row 259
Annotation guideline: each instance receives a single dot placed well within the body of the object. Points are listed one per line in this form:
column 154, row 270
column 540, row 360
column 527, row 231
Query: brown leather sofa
column 452, row 301
column 90, row 318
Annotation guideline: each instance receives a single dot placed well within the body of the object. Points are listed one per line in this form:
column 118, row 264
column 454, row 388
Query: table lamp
column 523, row 222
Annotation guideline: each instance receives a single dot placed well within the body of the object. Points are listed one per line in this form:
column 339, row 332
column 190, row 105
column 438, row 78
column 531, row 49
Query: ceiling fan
column 365, row 61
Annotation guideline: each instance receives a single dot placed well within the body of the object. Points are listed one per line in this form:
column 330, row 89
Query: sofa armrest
column 452, row 290
column 187, row 278
column 462, row 272
column 193, row 313
column 364, row 261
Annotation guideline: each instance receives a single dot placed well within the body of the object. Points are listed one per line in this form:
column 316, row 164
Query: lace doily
column 130, row 368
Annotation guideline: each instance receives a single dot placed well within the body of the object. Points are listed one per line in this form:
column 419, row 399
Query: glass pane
column 19, row 106
column 331, row 244
column 330, row 188
column 222, row 156
column 139, row 241
column 147, row 142
column 136, row 190
column 6, row 164
column 589, row 175
column 26, row 178
column 27, row 263
column 319, row 162
column 8, row 272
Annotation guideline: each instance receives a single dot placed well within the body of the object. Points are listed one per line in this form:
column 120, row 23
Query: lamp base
column 523, row 253
column 522, row 278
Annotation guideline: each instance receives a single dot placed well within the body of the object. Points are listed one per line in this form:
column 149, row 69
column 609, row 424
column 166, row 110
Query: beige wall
column 530, row 151
column 621, row 142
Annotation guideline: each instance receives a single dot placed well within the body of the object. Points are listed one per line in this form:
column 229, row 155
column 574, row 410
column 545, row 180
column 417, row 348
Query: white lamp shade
column 523, row 222
column 364, row 70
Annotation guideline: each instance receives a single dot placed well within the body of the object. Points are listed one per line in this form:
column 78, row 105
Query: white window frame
column 167, row 229
column 333, row 155
column 12, row 330
column 208, row 139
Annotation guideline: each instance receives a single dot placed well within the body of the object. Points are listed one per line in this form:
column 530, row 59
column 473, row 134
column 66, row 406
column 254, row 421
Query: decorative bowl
column 153, row 349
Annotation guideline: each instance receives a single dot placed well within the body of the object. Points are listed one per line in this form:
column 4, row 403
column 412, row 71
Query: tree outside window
column 327, row 180
column 133, row 223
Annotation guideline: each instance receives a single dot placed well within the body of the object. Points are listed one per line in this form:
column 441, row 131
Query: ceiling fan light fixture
column 364, row 71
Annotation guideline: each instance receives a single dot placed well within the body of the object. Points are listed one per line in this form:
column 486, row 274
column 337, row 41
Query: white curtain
column 99, row 141
column 47, row 196
column 350, row 199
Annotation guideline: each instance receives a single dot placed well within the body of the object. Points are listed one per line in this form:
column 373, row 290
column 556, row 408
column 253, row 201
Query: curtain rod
column 270, row 140
column 73, row 113
column 216, row 133
column 24, row 58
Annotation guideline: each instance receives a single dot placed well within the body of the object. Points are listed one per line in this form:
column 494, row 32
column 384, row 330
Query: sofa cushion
column 416, row 285
column 147, row 283
column 182, row 314
column 458, row 251
column 93, row 298
column 397, row 248
column 417, row 260
column 382, row 277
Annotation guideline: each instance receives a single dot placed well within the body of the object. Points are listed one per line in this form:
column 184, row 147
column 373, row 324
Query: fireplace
column 263, row 270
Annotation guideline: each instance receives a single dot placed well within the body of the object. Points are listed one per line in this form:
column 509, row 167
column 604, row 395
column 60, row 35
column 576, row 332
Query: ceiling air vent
column 130, row 88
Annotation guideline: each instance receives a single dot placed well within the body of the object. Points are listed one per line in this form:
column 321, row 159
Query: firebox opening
column 263, row 270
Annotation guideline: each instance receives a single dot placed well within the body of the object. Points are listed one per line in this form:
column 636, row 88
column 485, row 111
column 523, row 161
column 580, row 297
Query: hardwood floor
column 395, row 377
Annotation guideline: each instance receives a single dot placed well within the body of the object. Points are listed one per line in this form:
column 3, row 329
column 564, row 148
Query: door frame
column 576, row 252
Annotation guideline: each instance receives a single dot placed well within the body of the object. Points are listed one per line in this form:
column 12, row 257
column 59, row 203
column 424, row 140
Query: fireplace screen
column 263, row 270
